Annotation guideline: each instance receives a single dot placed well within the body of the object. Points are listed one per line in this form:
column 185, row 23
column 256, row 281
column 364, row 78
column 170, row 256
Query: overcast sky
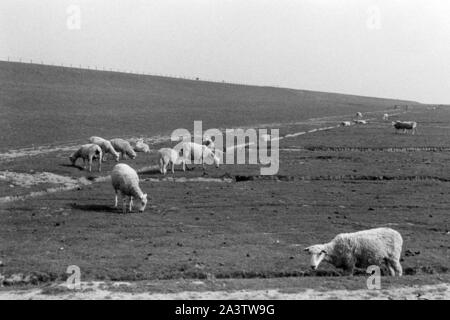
column 385, row 48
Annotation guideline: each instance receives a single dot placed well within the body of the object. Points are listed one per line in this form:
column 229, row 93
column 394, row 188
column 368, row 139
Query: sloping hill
column 46, row 104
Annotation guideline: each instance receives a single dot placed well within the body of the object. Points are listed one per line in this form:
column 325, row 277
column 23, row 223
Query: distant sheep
column 124, row 147
column 194, row 151
column 140, row 146
column 346, row 123
column 359, row 115
column 385, row 117
column 88, row 152
column 167, row 156
column 106, row 147
column 126, row 181
column 405, row 125
column 360, row 121
column 361, row 249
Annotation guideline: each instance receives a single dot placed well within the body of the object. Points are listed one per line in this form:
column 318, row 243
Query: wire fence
column 120, row 70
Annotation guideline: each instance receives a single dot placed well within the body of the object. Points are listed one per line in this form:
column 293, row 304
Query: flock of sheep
column 347, row 250
column 398, row 125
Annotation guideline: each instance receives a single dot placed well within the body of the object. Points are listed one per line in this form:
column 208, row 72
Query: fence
column 119, row 70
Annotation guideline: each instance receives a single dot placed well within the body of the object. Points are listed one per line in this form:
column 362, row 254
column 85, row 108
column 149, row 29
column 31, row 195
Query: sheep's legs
column 173, row 168
column 131, row 203
column 398, row 268
column 124, row 204
column 90, row 164
column 116, row 200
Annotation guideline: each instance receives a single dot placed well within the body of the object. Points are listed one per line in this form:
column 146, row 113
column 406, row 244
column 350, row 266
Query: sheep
column 385, row 117
column 346, row 123
column 361, row 249
column 126, row 180
column 209, row 143
column 191, row 150
column 359, row 115
column 88, row 152
column 124, row 147
column 405, row 125
column 360, row 121
column 139, row 145
column 167, row 156
column 106, row 147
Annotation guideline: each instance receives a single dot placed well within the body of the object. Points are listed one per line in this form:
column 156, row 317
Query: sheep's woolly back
column 123, row 146
column 364, row 248
column 126, row 179
column 85, row 150
column 168, row 155
column 106, row 145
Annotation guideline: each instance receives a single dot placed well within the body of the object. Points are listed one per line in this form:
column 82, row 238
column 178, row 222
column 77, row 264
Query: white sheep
column 167, row 156
column 106, row 147
column 139, row 145
column 88, row 152
column 346, row 123
column 194, row 151
column 361, row 249
column 360, row 121
column 385, row 117
column 207, row 141
column 124, row 147
column 359, row 115
column 126, row 181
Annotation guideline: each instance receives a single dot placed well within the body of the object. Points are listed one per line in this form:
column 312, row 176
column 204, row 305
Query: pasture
column 225, row 223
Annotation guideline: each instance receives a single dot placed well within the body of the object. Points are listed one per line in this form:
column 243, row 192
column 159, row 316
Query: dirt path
column 101, row 290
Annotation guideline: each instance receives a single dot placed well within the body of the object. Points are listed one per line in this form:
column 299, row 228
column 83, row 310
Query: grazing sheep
column 126, row 180
column 88, row 152
column 346, row 123
column 361, row 249
column 124, row 147
column 194, row 151
column 359, row 115
column 140, row 146
column 405, row 125
column 167, row 156
column 360, row 121
column 385, row 117
column 106, row 147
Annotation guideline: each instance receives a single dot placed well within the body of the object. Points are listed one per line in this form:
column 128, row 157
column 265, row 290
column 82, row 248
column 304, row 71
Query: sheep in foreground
column 361, row 249
column 126, row 181
column 167, row 156
column 106, row 147
column 88, row 152
column 207, row 141
column 140, row 146
column 124, row 147
column 198, row 152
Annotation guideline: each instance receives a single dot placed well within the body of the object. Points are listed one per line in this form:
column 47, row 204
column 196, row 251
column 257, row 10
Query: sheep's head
column 143, row 203
column 116, row 156
column 318, row 253
column 132, row 154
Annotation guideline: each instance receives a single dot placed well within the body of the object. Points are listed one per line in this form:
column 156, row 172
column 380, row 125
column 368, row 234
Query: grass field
column 237, row 225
